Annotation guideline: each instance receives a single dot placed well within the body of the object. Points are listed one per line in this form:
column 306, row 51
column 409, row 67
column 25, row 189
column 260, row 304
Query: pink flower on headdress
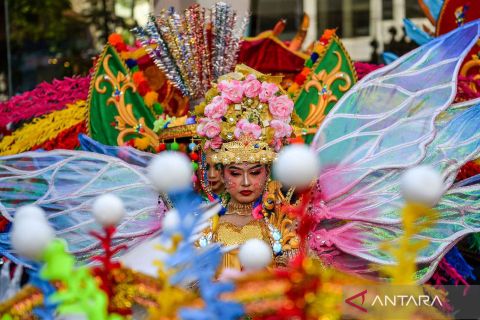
column 216, row 108
column 268, row 91
column 281, row 128
column 277, row 145
column 245, row 127
column 214, row 144
column 212, row 129
column 280, row 107
column 232, row 91
column 252, row 86
column 208, row 128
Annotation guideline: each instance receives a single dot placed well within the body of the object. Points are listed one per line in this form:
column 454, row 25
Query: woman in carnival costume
column 247, row 119
column 395, row 118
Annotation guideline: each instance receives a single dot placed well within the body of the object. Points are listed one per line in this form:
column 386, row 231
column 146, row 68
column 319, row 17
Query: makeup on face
column 214, row 176
column 245, row 182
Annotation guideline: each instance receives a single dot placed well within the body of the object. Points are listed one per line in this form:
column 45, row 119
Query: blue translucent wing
column 415, row 33
column 377, row 198
column 374, row 210
column 127, row 154
column 65, row 183
column 387, row 119
column 394, row 119
column 389, row 57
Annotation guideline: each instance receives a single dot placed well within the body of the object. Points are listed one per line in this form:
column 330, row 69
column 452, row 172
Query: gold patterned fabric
column 229, row 234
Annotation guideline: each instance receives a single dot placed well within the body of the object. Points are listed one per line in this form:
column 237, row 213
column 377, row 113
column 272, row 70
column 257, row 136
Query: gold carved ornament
column 274, row 203
column 126, row 121
column 323, row 82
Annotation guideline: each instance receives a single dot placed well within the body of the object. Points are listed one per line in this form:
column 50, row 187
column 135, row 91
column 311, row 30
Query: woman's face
column 214, row 175
column 245, row 182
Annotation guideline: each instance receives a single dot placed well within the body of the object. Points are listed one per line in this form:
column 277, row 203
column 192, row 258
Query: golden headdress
column 245, row 117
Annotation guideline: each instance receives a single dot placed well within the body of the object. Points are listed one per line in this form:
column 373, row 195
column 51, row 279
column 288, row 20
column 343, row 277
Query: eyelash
column 236, row 174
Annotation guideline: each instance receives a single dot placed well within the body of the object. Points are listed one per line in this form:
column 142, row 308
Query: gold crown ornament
column 244, row 150
column 246, row 117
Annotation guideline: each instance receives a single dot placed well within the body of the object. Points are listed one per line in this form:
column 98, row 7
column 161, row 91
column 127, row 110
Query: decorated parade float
column 199, row 175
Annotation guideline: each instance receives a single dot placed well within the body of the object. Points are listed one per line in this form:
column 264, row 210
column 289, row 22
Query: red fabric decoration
column 267, row 56
column 448, row 21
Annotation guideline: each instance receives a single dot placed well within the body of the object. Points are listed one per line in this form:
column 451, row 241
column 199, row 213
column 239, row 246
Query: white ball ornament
column 31, row 233
column 171, row 221
column 422, row 184
column 30, row 212
column 296, row 166
column 108, row 210
column 170, row 171
column 255, row 254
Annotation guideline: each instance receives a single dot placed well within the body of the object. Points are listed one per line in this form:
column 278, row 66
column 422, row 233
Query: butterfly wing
column 65, row 183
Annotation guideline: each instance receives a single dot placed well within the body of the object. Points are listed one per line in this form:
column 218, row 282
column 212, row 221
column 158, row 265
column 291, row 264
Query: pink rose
column 268, row 91
column 212, row 129
column 216, row 108
column 252, row 86
column 280, row 107
column 245, row 127
column 208, row 128
column 232, row 91
column 214, row 144
column 201, row 126
column 281, row 128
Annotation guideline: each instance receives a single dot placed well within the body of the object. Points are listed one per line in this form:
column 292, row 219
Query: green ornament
column 174, row 146
column 59, row 264
column 195, row 166
column 158, row 108
column 80, row 293
column 309, row 63
column 134, row 69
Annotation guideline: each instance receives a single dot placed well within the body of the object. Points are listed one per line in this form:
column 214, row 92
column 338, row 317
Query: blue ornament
column 192, row 146
column 277, row 248
column 276, row 235
column 190, row 120
column 131, row 63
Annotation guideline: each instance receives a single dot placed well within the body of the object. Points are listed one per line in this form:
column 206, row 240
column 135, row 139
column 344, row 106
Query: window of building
column 387, row 9
column 351, row 17
column 266, row 13
column 413, row 10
